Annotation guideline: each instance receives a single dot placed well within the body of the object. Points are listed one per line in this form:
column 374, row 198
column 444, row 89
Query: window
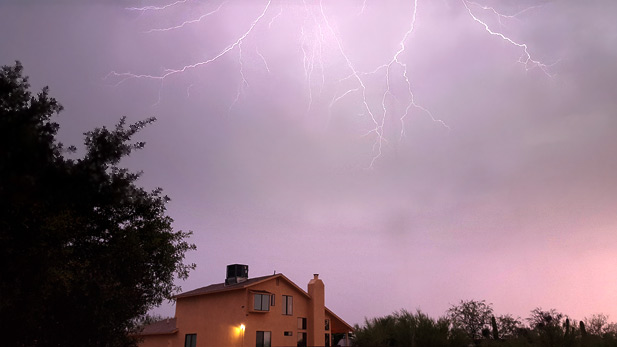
column 288, row 333
column 327, row 324
column 301, row 323
column 262, row 302
column 301, row 339
column 272, row 299
column 327, row 340
column 263, row 339
column 288, row 305
column 190, row 340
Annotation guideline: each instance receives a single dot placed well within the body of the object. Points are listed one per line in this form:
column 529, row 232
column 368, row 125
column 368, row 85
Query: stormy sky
column 292, row 152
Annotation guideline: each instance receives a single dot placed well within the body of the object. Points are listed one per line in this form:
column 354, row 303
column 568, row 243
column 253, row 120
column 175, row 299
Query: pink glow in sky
column 285, row 153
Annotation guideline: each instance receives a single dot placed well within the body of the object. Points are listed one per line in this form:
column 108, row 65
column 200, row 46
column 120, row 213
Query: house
column 267, row 311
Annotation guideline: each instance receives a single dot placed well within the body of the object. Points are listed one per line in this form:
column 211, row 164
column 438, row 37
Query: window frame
column 262, row 342
column 190, row 340
column 302, row 337
column 287, row 305
column 264, row 298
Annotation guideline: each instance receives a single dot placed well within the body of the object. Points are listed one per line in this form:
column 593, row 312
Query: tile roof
column 162, row 327
column 221, row 287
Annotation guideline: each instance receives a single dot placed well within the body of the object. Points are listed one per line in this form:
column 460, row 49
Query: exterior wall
column 159, row 340
column 217, row 318
column 274, row 320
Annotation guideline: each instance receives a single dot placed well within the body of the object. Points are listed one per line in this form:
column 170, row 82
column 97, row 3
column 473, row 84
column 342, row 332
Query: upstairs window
column 262, row 302
column 327, row 325
column 288, row 305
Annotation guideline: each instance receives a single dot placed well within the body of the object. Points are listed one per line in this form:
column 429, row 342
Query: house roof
column 338, row 325
column 222, row 287
column 162, row 327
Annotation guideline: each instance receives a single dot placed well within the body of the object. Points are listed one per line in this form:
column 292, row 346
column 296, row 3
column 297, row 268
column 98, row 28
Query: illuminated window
column 262, row 302
column 263, row 339
column 190, row 340
column 288, row 305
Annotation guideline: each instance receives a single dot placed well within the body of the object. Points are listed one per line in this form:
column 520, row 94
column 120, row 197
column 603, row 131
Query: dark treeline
column 473, row 323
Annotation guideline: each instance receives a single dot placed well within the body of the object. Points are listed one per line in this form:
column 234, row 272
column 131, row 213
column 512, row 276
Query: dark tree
column 407, row 329
column 85, row 251
column 548, row 327
column 472, row 317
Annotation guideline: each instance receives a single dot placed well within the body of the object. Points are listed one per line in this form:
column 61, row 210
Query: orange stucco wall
column 158, row 340
column 217, row 318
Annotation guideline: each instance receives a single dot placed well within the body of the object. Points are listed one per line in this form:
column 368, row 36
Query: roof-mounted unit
column 237, row 273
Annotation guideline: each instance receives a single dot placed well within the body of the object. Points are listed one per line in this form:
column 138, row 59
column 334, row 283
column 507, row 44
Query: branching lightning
column 157, row 8
column 526, row 58
column 187, row 22
column 318, row 40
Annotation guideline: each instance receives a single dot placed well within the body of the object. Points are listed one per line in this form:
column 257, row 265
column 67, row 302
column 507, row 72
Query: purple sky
column 513, row 200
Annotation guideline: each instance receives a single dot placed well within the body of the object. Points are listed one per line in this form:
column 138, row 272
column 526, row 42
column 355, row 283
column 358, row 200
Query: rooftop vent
column 237, row 273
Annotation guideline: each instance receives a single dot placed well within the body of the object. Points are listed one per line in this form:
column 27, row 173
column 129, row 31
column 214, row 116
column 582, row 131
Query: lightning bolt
column 500, row 15
column 378, row 130
column 124, row 76
column 263, row 59
column 318, row 35
column 526, row 59
column 157, row 8
column 188, row 22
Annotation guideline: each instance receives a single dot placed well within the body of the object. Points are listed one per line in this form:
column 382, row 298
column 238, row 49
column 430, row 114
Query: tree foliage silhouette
column 545, row 328
column 472, row 317
column 85, row 251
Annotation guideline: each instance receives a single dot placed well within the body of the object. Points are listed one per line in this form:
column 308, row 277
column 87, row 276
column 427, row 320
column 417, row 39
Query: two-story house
column 267, row 311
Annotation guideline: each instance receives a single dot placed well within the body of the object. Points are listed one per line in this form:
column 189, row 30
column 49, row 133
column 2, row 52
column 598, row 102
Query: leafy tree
column 472, row 317
column 406, row 329
column 547, row 328
column 597, row 324
column 539, row 318
column 550, row 327
column 508, row 326
column 85, row 251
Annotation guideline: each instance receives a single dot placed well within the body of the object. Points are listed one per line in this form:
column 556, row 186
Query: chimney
column 317, row 313
column 236, row 273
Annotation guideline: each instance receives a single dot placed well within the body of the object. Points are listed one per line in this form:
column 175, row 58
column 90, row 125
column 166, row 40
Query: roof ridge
column 219, row 287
